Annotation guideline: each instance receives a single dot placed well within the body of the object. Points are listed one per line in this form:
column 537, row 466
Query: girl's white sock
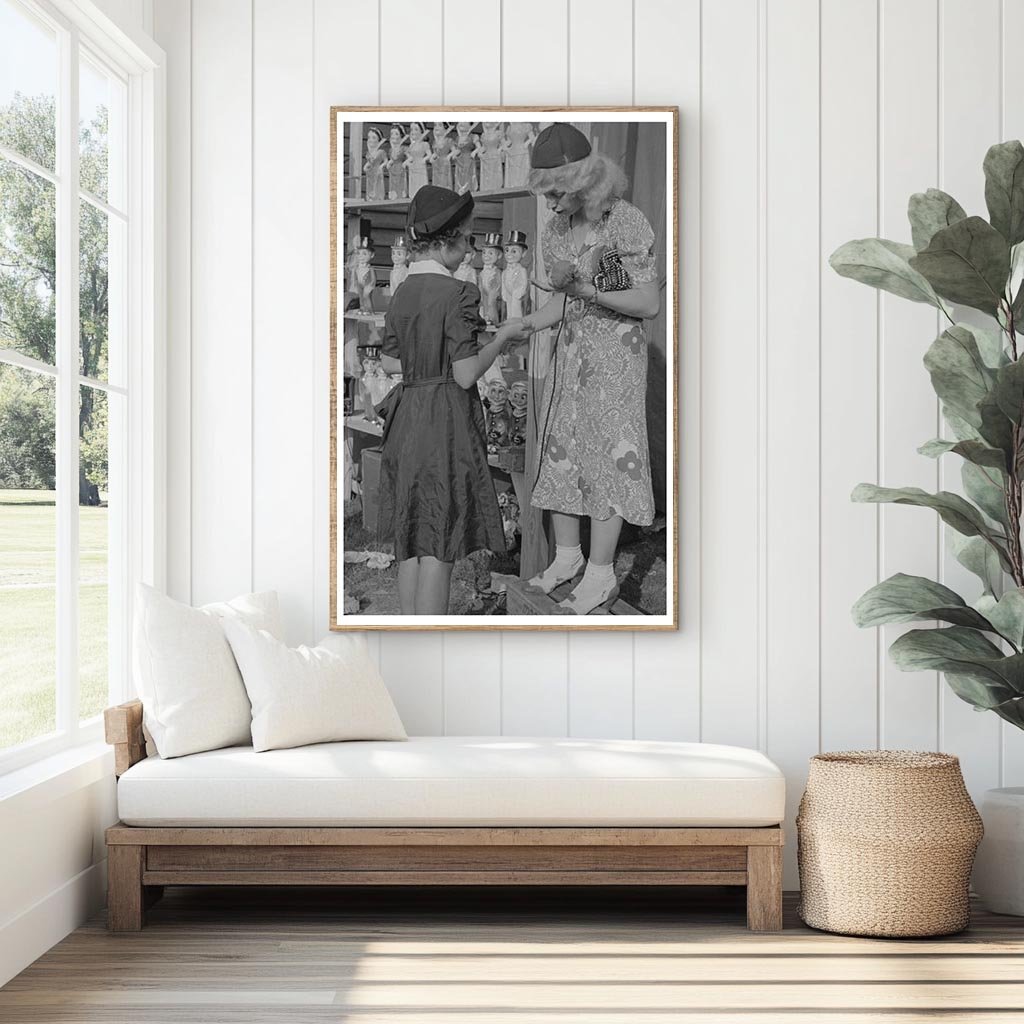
column 568, row 562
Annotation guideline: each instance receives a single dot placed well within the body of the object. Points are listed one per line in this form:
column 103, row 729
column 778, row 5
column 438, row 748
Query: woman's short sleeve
column 634, row 238
column 462, row 322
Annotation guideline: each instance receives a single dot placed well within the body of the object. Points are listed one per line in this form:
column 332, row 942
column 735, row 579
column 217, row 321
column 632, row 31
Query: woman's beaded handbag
column 611, row 275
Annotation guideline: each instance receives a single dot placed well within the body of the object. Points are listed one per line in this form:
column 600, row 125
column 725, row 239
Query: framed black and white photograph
column 504, row 383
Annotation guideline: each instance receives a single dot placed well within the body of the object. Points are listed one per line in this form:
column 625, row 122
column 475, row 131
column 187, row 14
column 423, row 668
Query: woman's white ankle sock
column 568, row 561
column 594, row 588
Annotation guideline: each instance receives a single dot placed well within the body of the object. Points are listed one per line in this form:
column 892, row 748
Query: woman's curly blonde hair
column 596, row 180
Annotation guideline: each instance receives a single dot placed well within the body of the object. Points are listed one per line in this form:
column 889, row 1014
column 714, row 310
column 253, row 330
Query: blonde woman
column 598, row 250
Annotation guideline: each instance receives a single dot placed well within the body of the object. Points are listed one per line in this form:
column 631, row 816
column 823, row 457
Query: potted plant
column 978, row 374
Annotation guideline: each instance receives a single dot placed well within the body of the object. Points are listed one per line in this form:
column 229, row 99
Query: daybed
column 444, row 811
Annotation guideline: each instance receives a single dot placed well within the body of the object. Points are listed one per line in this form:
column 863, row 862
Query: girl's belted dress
column 436, row 493
column 593, row 453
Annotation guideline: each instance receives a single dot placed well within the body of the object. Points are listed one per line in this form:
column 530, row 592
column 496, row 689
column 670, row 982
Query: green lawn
column 28, row 616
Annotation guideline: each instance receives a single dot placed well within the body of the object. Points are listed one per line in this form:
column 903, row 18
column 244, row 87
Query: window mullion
column 67, row 386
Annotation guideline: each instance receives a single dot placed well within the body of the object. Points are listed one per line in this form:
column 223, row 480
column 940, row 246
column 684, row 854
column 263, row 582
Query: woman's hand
column 581, row 290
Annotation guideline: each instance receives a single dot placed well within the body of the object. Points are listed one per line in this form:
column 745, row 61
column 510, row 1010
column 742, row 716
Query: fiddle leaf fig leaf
column 990, row 345
column 883, row 264
column 984, row 486
column 979, row 557
column 1009, row 390
column 964, row 652
column 962, row 430
column 967, row 263
column 1006, row 614
column 903, row 598
column 982, row 693
column 952, row 509
column 958, row 371
column 996, row 428
column 1004, row 189
column 973, row 451
column 930, row 212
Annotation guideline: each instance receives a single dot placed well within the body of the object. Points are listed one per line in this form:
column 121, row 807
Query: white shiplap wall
column 803, row 123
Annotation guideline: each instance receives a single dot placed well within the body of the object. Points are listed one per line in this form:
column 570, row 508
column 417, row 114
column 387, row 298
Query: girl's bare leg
column 433, row 586
column 568, row 556
column 408, row 576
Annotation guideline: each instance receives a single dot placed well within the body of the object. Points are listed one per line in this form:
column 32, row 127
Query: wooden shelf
column 403, row 204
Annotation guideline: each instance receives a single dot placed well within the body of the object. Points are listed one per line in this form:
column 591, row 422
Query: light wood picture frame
column 369, row 201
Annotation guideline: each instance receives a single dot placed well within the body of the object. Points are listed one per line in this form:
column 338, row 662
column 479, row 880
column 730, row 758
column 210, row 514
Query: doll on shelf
column 490, row 278
column 497, row 420
column 399, row 263
column 376, row 159
column 515, row 279
column 362, row 279
column 465, row 271
column 397, row 183
column 440, row 156
column 490, row 149
column 518, row 399
column 519, row 137
column 418, row 153
column 463, row 159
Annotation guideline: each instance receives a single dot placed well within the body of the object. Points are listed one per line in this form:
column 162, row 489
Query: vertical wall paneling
column 592, row 23
column 792, row 416
column 221, row 370
column 412, row 665
column 535, row 69
column 729, row 357
column 173, row 28
column 472, row 661
column 472, row 52
column 968, row 125
column 1012, row 127
column 909, row 413
column 600, row 685
column 534, row 692
column 410, row 52
column 666, row 666
column 534, row 52
column 344, row 55
column 283, row 339
column 778, row 422
column 849, row 370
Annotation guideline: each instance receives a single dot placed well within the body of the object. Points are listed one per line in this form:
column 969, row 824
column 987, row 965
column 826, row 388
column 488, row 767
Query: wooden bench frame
column 142, row 860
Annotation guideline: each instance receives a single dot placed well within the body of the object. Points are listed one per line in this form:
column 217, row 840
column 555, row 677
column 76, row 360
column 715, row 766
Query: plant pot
column 999, row 868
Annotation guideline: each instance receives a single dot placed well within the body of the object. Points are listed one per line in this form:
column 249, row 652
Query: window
column 77, row 249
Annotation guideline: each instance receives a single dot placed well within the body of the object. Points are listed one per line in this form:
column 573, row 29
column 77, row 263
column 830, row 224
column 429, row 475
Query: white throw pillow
column 192, row 693
column 309, row 694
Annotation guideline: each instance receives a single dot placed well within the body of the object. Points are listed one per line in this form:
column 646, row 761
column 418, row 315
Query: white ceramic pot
column 999, row 866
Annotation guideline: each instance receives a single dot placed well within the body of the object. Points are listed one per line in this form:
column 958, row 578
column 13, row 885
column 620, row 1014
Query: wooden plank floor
column 220, row 956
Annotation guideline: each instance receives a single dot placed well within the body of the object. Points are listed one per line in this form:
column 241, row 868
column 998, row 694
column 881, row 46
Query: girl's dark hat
column 559, row 144
column 434, row 208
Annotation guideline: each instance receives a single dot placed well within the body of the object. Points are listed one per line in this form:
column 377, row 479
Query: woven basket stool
column 885, row 843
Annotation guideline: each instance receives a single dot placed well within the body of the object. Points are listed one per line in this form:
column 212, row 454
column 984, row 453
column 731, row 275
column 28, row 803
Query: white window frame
column 141, row 64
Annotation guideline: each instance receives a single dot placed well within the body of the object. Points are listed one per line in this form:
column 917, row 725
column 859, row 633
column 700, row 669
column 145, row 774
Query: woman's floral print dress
column 592, row 423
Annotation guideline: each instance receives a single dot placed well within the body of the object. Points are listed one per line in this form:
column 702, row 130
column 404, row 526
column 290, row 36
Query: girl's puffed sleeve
column 390, row 346
column 634, row 238
column 462, row 322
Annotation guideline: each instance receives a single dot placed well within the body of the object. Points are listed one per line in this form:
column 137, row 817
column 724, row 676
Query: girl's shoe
column 602, row 603
column 554, row 575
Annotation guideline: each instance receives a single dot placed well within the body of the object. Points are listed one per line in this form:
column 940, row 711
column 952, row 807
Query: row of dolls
column 505, row 396
column 501, row 291
column 412, row 159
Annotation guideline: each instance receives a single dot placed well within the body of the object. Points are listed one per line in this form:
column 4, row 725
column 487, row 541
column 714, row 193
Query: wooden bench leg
column 125, row 897
column 764, row 888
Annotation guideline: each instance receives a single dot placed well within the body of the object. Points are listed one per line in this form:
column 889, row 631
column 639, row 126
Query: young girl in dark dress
column 437, row 499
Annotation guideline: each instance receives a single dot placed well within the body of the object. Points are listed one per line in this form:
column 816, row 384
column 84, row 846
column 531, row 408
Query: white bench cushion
column 458, row 780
